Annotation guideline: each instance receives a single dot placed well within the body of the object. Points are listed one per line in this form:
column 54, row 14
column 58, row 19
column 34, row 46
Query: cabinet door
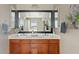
column 43, row 49
column 14, row 47
column 40, row 41
column 39, row 46
column 25, row 47
column 34, row 48
column 54, row 48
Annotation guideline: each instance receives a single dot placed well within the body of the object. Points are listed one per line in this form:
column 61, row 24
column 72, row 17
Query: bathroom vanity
column 34, row 45
column 35, row 32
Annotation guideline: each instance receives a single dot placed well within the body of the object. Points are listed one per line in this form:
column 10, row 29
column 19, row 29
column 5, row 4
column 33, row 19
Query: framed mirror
column 40, row 21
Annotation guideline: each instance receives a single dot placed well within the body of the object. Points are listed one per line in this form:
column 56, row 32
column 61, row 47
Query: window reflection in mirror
column 56, row 19
column 35, row 21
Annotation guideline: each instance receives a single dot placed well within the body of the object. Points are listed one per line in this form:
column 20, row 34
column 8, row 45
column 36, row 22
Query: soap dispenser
column 21, row 27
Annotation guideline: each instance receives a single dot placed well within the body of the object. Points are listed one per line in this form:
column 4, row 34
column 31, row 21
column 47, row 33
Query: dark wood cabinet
column 34, row 46
column 54, row 46
column 53, row 49
column 14, row 46
column 39, row 46
column 43, row 49
column 24, row 46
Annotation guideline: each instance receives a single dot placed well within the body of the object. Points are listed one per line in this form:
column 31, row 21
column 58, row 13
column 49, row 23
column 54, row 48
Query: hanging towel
column 63, row 27
column 4, row 28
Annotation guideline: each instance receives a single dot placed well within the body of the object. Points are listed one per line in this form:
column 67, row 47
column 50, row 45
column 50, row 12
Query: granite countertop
column 34, row 36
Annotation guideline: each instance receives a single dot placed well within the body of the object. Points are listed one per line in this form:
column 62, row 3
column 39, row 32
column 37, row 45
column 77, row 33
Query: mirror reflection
column 35, row 21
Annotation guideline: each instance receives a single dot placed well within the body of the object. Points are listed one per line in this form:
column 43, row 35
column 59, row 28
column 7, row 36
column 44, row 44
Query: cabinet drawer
column 25, row 41
column 33, row 46
column 53, row 49
column 25, row 48
column 14, row 48
column 14, row 41
column 43, row 49
column 43, row 41
column 54, row 41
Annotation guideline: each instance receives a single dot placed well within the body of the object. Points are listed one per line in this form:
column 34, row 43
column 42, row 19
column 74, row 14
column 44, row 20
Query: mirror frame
column 52, row 19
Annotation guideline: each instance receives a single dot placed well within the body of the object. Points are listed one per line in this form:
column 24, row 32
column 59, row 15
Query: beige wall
column 70, row 40
column 4, row 17
column 39, row 7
